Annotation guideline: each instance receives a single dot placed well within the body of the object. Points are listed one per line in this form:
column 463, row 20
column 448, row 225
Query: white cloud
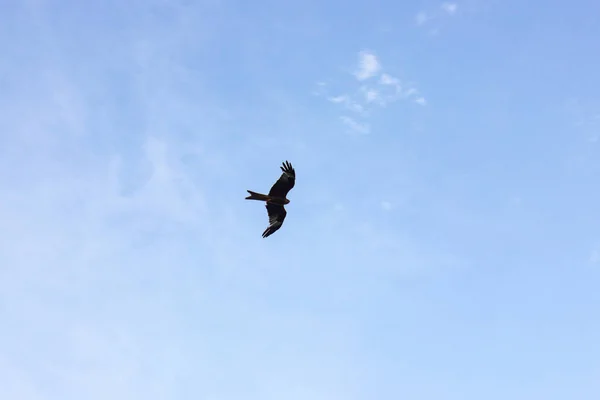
column 368, row 65
column 450, row 8
column 357, row 108
column 410, row 92
column 421, row 18
column 320, row 89
column 371, row 95
column 386, row 79
column 339, row 99
column 421, row 101
column 355, row 126
column 348, row 103
column 379, row 93
column 389, row 80
column 445, row 10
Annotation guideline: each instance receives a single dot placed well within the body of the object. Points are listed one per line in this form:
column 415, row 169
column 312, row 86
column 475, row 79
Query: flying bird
column 276, row 199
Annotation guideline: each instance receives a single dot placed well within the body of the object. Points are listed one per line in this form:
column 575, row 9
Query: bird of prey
column 276, row 198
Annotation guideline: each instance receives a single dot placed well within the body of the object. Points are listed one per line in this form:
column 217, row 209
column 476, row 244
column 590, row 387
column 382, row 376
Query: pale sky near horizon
column 442, row 241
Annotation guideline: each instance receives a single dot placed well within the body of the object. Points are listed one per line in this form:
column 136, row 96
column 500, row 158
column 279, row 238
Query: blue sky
column 442, row 240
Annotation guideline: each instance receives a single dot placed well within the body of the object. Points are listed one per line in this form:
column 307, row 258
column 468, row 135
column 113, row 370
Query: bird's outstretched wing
column 276, row 216
column 285, row 183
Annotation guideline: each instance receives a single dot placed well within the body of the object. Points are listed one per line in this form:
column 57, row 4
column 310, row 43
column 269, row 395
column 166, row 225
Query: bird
column 276, row 199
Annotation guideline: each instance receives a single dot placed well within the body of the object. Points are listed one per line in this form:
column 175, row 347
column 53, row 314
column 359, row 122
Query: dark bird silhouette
column 276, row 199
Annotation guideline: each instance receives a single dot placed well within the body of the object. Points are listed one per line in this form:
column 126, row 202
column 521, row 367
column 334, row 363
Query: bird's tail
column 257, row 196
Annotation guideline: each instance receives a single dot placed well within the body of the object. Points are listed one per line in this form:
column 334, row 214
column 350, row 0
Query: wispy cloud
column 445, row 10
column 365, row 95
column 320, row 89
column 354, row 125
column 338, row 99
column 389, row 80
column 449, row 8
column 421, row 18
column 386, row 205
column 348, row 103
column 368, row 65
column 371, row 95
